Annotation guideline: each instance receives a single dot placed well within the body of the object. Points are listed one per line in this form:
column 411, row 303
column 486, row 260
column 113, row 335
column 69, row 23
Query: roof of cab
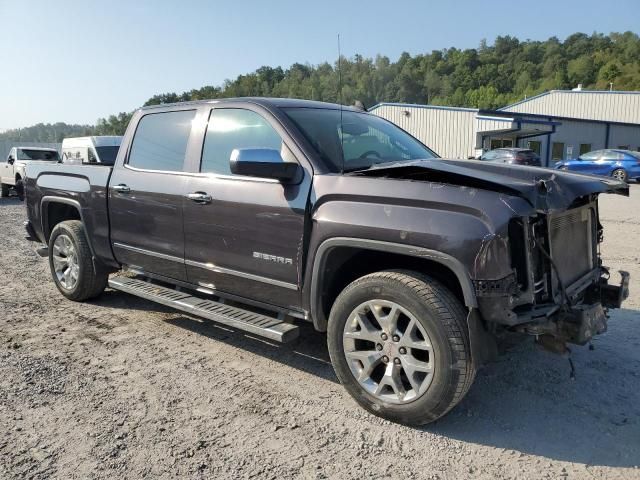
column 264, row 101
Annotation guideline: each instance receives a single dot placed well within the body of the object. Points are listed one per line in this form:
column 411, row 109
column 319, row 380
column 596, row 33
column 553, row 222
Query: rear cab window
column 160, row 141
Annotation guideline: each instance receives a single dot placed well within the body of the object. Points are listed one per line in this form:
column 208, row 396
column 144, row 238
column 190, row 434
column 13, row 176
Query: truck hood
column 545, row 189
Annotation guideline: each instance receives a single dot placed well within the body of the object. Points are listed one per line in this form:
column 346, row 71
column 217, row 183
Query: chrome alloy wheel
column 620, row 175
column 388, row 351
column 65, row 262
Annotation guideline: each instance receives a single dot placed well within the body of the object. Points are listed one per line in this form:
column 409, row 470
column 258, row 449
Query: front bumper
column 577, row 323
column 612, row 296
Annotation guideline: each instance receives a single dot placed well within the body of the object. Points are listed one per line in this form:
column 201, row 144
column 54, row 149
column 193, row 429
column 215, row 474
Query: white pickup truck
column 12, row 170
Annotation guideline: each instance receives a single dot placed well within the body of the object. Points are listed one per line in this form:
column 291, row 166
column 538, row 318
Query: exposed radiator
column 572, row 243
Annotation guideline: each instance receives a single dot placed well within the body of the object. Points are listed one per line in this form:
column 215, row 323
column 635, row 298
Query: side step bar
column 234, row 317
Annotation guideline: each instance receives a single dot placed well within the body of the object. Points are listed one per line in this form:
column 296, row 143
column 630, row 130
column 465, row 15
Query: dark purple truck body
column 292, row 246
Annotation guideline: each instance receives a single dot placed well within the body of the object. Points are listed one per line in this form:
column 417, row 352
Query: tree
column 488, row 77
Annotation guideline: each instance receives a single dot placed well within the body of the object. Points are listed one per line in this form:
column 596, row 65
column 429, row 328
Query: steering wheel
column 369, row 153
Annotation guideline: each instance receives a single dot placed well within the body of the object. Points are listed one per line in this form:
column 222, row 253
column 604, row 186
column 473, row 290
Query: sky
column 79, row 60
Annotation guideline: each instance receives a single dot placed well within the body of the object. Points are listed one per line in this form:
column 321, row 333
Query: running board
column 234, row 317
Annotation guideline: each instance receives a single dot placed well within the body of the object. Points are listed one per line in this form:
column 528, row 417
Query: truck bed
column 85, row 187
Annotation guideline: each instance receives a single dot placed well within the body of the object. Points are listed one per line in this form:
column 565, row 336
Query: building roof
column 599, row 105
column 415, row 105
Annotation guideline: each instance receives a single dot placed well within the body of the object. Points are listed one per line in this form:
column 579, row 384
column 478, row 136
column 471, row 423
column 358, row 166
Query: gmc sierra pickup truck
column 260, row 213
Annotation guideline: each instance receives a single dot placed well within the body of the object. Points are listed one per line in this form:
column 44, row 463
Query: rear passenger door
column 247, row 238
column 146, row 193
column 609, row 160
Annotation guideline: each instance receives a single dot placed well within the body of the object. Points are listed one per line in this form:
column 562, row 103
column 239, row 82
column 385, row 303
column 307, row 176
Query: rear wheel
column 71, row 263
column 619, row 174
column 399, row 344
column 4, row 190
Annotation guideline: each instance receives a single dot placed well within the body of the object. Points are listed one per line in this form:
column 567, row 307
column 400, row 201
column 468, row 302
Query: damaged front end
column 538, row 268
column 558, row 289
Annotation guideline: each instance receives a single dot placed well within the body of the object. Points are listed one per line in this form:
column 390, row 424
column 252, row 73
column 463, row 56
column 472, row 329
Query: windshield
column 363, row 141
column 107, row 154
column 26, row 154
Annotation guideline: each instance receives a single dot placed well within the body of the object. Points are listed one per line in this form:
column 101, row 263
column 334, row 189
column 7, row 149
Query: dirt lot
column 123, row 387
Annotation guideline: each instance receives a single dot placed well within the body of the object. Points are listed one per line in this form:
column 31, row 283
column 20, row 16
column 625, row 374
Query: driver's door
column 244, row 235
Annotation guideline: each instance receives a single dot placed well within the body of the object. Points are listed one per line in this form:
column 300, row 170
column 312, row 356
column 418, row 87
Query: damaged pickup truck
column 261, row 213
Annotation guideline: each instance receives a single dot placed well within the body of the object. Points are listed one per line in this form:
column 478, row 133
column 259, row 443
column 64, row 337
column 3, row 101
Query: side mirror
column 262, row 162
column 11, row 160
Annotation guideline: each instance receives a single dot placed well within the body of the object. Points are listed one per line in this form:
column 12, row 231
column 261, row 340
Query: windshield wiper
column 356, row 169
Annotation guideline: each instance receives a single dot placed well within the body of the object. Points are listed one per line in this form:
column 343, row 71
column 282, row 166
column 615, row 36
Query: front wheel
column 399, row 344
column 619, row 174
column 71, row 263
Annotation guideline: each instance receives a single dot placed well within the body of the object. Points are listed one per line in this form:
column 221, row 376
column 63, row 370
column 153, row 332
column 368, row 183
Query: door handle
column 199, row 197
column 121, row 188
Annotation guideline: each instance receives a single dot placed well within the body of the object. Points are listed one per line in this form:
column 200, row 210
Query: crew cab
column 12, row 170
column 264, row 213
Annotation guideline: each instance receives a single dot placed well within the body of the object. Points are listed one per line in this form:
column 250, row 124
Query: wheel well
column 56, row 213
column 343, row 265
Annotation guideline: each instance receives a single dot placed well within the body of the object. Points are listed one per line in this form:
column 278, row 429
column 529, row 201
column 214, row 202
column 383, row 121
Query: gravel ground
column 121, row 386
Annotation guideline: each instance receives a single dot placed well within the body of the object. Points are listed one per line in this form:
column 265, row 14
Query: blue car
column 622, row 165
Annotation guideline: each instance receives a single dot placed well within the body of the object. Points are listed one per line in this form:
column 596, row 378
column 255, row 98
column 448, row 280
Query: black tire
column 4, row 190
column 444, row 319
column 90, row 282
column 620, row 174
column 19, row 188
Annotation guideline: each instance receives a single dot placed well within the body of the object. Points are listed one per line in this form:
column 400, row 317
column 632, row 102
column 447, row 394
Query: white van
column 103, row 149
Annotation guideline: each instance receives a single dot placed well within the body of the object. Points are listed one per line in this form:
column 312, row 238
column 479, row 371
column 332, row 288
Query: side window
column 232, row 128
column 611, row 155
column 91, row 157
column 591, row 156
column 160, row 141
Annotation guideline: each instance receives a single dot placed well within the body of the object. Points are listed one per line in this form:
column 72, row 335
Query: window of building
column 535, row 145
column 233, row 128
column 160, row 141
column 501, row 143
column 585, row 148
column 557, row 151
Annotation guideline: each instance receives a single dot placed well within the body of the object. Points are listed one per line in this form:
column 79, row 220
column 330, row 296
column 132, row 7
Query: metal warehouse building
column 558, row 124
